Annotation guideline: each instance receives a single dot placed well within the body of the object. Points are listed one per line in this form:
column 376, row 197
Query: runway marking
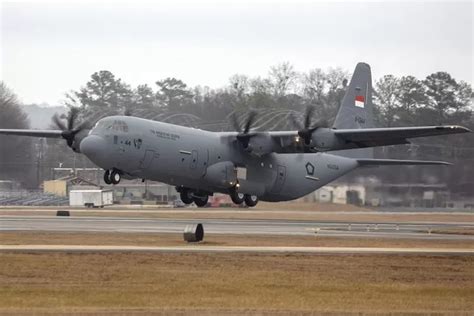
column 238, row 249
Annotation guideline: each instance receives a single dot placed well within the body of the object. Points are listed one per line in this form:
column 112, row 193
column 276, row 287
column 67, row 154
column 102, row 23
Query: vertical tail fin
column 356, row 107
column 356, row 110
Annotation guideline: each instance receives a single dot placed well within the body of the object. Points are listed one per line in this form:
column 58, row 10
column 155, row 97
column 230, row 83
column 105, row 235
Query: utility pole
column 39, row 160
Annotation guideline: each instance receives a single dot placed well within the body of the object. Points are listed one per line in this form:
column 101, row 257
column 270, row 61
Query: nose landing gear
column 112, row 176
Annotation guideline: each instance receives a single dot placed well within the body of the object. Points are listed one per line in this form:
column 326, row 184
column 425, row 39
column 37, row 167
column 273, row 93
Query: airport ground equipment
column 91, row 198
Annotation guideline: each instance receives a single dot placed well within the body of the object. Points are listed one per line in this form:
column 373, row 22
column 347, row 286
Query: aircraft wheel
column 107, row 177
column 186, row 196
column 237, row 197
column 250, row 200
column 201, row 201
column 115, row 177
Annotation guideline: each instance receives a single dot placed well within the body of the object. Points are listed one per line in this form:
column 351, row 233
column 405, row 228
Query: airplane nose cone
column 94, row 147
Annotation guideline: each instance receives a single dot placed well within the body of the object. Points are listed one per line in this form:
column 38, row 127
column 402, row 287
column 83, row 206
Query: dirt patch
column 210, row 283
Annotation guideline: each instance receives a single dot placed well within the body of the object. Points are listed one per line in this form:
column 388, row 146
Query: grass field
column 233, row 283
column 218, row 283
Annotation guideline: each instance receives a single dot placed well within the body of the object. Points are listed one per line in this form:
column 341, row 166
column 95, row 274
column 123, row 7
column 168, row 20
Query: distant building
column 339, row 194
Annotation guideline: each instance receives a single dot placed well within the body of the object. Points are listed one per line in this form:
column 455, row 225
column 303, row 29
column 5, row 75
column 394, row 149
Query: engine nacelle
column 261, row 144
column 76, row 144
column 222, row 174
column 324, row 139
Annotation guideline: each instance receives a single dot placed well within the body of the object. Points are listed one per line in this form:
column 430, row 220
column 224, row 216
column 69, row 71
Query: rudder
column 356, row 110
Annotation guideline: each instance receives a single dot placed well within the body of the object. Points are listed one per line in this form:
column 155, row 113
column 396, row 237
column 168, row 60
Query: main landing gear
column 188, row 197
column 112, row 176
column 239, row 198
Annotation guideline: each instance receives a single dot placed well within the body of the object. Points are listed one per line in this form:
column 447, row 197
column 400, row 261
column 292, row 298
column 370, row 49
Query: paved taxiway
column 416, row 230
column 242, row 249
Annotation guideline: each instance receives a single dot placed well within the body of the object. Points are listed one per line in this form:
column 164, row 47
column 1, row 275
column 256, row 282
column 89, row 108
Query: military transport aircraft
column 248, row 165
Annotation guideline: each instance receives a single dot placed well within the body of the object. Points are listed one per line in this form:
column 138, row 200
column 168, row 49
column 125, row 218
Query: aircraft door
column 147, row 159
column 280, row 179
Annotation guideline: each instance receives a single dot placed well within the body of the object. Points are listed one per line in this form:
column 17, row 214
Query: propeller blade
column 59, row 123
column 308, row 116
column 69, row 130
column 322, row 123
column 73, row 113
column 83, row 125
column 250, row 119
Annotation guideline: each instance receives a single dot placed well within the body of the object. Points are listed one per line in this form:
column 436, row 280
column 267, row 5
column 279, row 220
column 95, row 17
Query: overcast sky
column 49, row 48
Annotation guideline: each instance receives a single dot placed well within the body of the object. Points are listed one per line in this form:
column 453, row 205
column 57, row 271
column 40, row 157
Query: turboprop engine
column 260, row 144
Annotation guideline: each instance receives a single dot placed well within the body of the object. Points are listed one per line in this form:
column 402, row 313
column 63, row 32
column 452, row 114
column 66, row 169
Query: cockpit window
column 109, row 125
column 120, row 126
column 101, row 124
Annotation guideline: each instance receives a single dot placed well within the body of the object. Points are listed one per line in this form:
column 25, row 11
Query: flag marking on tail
column 359, row 101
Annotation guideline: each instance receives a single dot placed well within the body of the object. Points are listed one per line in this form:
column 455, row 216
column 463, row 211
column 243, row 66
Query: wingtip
column 462, row 129
column 457, row 128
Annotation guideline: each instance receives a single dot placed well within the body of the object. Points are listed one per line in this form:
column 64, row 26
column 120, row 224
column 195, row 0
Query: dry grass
column 375, row 217
column 152, row 239
column 215, row 283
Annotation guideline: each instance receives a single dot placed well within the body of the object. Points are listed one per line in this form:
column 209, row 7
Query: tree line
column 398, row 101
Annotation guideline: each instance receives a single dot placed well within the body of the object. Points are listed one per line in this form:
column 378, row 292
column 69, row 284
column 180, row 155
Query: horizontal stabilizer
column 384, row 162
column 372, row 137
column 32, row 132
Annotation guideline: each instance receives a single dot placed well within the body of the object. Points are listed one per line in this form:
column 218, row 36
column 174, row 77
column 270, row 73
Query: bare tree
column 16, row 153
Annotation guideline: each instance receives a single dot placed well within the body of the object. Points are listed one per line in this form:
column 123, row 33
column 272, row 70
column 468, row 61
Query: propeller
column 244, row 133
column 306, row 130
column 69, row 130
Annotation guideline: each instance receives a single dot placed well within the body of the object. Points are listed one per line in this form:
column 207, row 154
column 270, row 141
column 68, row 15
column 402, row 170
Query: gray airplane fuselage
column 201, row 160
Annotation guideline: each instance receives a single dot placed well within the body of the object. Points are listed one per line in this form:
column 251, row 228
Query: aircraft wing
column 340, row 139
column 32, row 132
column 372, row 137
column 391, row 162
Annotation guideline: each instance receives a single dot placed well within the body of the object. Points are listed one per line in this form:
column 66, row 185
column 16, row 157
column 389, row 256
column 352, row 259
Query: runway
column 416, row 230
column 239, row 249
